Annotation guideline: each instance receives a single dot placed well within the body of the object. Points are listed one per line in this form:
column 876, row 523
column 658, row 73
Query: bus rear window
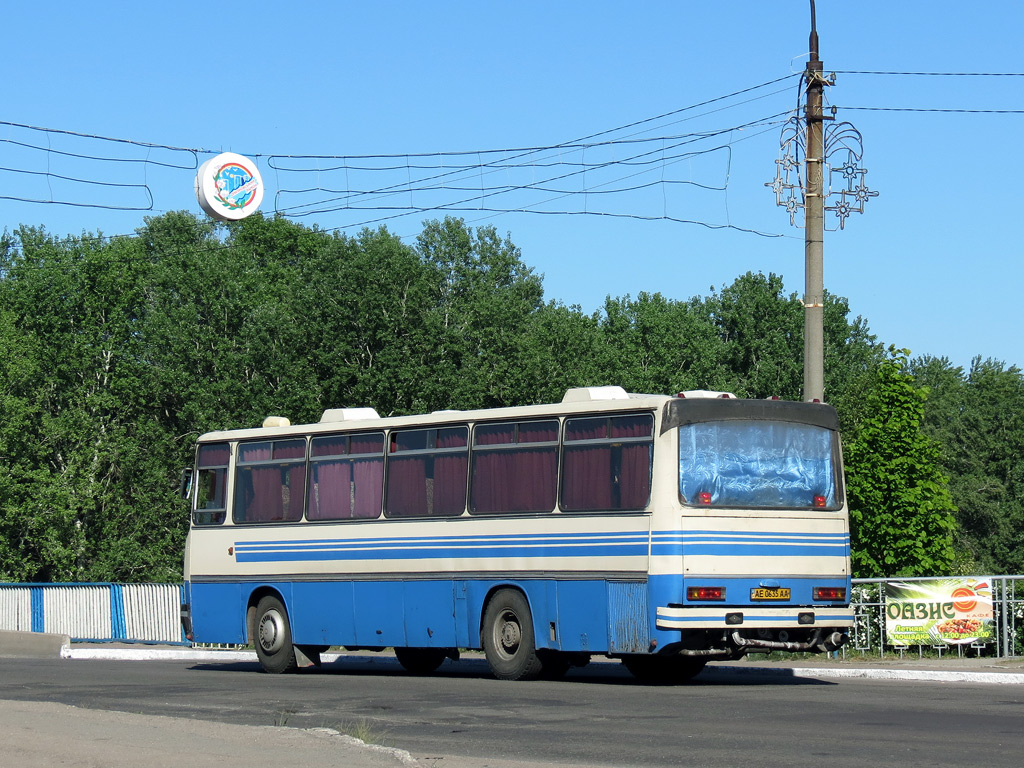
column 757, row 463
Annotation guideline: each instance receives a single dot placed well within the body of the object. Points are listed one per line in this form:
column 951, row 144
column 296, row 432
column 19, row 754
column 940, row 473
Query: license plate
column 769, row 593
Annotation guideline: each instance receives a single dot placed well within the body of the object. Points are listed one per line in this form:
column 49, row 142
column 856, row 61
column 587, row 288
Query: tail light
column 830, row 593
column 820, row 502
column 704, row 497
column 705, row 593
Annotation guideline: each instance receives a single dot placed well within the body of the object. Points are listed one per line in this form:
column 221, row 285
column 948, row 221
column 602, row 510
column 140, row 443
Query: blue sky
column 934, row 264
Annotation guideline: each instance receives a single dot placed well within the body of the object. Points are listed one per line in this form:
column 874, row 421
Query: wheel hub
column 511, row 634
column 271, row 632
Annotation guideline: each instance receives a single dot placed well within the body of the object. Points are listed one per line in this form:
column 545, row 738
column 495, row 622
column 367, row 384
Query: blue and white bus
column 665, row 531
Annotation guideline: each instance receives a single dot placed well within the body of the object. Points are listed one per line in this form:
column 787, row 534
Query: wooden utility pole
column 814, row 211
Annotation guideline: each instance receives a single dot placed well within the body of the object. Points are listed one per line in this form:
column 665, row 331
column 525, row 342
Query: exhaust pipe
column 832, row 642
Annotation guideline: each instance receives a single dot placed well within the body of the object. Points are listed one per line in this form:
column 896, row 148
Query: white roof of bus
column 578, row 400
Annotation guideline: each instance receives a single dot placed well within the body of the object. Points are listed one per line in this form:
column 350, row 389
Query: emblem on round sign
column 229, row 187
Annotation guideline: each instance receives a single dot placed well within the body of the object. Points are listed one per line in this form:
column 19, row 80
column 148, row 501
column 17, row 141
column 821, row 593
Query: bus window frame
column 210, row 516
column 349, row 458
column 433, row 452
column 283, row 464
column 835, row 461
column 497, row 448
column 568, row 446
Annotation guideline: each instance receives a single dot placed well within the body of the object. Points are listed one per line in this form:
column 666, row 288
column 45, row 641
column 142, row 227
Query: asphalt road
column 598, row 716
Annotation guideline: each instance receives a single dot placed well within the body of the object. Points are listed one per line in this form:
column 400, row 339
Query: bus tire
column 554, row 664
column 273, row 638
column 669, row 670
column 420, row 661
column 508, row 638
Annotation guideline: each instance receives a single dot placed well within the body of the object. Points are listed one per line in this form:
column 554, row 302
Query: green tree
column 484, row 297
column 761, row 332
column 978, row 418
column 852, row 357
column 901, row 511
column 658, row 345
column 85, row 493
column 562, row 348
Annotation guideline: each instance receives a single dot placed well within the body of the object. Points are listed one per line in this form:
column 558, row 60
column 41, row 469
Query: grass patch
column 282, row 717
column 363, row 730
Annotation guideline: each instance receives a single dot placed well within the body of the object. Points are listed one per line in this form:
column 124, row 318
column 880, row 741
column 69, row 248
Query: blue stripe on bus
column 434, row 553
column 640, row 536
column 707, row 543
column 751, row 544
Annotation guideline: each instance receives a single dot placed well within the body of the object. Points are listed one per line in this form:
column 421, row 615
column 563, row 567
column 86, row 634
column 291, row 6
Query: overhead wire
column 449, row 171
column 447, row 178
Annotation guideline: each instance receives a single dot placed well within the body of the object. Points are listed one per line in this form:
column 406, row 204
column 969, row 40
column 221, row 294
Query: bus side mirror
column 185, row 483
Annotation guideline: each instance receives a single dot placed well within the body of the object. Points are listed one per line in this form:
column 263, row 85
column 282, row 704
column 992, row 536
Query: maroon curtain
column 450, row 483
column 631, row 426
column 586, row 478
column 368, row 481
column 635, row 477
column 329, row 491
column 266, row 502
column 407, row 486
column 521, row 480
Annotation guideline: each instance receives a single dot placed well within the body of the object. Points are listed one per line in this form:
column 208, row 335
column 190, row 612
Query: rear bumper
column 754, row 617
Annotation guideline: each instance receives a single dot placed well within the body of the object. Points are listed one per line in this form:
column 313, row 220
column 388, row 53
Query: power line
column 952, row 111
column 930, row 74
column 95, row 137
column 59, row 186
column 648, row 157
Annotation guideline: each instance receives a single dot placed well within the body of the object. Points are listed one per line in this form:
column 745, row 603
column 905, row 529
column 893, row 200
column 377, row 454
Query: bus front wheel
column 508, row 638
column 274, row 637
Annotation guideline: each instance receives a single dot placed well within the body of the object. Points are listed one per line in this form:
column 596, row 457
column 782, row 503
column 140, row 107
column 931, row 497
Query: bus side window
column 607, row 463
column 346, row 477
column 515, row 467
column 270, row 481
column 427, row 472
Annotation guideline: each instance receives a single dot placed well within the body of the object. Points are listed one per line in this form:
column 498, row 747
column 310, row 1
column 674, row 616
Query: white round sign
column 229, row 187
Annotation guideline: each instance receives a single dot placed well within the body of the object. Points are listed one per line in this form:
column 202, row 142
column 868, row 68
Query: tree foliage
column 977, row 417
column 901, row 512
column 117, row 354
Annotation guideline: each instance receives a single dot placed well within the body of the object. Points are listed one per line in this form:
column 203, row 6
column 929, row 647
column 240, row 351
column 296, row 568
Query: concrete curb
column 28, row 644
column 144, row 653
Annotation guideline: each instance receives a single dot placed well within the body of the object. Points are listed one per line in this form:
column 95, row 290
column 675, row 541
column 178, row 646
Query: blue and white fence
column 134, row 613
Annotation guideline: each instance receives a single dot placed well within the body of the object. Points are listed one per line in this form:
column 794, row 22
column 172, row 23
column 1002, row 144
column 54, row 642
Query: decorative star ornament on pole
column 846, row 191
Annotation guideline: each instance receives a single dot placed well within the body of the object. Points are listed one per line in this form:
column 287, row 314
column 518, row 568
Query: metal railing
column 138, row 613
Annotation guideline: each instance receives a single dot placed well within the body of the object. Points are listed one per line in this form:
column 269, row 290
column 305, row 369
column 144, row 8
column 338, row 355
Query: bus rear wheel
column 273, row 638
column 664, row 669
column 420, row 661
column 508, row 638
